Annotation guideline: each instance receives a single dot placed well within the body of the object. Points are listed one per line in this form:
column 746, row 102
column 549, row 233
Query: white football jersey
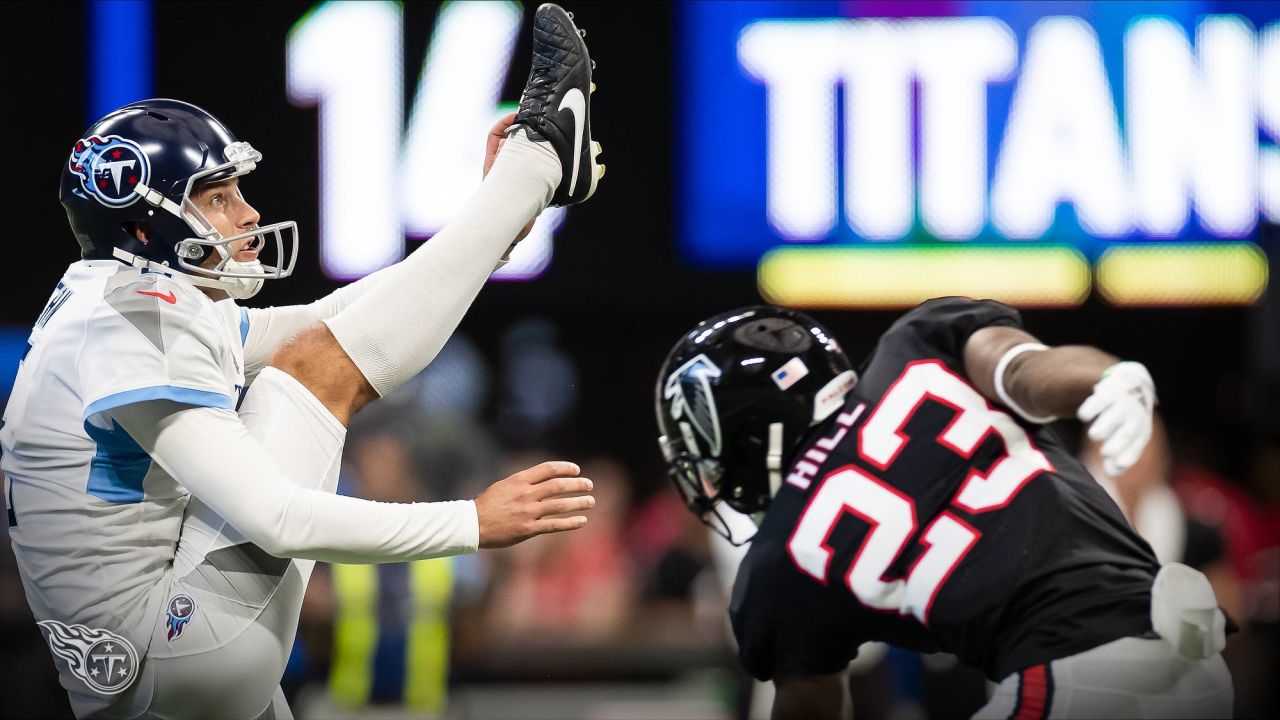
column 93, row 521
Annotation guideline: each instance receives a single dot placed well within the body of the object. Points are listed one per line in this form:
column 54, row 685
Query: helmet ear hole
column 139, row 231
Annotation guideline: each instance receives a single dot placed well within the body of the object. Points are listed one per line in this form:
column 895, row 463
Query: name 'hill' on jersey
column 922, row 516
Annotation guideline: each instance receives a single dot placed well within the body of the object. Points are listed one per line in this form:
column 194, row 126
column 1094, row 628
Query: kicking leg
column 236, row 606
column 394, row 329
column 221, row 649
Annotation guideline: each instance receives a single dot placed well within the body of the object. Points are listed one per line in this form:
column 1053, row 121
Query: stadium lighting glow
column 1182, row 274
column 798, row 64
column 346, row 58
column 1081, row 125
column 1061, row 143
column 896, row 277
column 1191, row 125
column 455, row 104
column 955, row 61
column 1269, row 118
column 118, row 78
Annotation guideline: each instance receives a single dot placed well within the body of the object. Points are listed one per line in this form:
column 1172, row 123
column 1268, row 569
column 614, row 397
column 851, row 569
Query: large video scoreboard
column 850, row 154
column 875, row 154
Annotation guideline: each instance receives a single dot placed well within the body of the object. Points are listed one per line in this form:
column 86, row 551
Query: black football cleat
column 556, row 104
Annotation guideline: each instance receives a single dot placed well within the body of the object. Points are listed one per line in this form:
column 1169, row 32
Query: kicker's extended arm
column 214, row 456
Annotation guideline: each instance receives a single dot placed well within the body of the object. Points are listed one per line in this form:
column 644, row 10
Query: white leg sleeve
column 396, row 328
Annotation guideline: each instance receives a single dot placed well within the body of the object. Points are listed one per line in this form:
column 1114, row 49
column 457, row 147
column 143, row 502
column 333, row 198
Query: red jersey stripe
column 1033, row 694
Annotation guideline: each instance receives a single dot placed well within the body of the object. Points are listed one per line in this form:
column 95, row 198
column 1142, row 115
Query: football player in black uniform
column 922, row 502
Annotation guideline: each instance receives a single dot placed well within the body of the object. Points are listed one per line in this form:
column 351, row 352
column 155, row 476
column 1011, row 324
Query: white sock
column 396, row 328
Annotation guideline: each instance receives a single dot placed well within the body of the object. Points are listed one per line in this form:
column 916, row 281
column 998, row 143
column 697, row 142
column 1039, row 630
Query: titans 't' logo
column 110, row 169
column 180, row 611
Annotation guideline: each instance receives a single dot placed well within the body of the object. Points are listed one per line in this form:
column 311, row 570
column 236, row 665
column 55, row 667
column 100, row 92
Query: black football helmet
column 138, row 167
column 736, row 397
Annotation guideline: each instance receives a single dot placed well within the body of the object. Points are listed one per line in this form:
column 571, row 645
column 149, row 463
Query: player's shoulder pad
column 155, row 304
column 945, row 324
column 959, row 312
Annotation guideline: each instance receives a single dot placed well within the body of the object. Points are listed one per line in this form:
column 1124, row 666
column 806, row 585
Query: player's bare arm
column 1011, row 367
column 812, row 697
column 1049, row 383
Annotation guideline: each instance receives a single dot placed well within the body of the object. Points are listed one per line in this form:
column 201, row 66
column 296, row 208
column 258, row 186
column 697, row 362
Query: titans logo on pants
column 106, row 662
column 181, row 608
column 110, row 169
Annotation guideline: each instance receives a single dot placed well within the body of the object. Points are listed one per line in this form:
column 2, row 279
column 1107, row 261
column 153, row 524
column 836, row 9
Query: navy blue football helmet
column 138, row 167
column 736, row 398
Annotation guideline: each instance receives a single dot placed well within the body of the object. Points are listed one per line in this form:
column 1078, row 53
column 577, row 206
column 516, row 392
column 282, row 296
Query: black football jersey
column 924, row 516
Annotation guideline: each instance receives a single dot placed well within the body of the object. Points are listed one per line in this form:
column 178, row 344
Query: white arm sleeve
column 212, row 453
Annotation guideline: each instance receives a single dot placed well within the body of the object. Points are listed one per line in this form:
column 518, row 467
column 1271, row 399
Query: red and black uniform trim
column 1056, row 572
column 1035, row 693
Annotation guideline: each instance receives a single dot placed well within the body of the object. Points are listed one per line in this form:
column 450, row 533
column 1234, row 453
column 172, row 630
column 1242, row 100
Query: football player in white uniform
column 170, row 457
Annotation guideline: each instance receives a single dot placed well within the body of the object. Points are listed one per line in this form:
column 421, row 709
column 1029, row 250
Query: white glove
column 1120, row 412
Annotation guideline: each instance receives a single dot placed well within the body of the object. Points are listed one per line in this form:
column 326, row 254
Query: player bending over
column 923, row 502
column 165, row 520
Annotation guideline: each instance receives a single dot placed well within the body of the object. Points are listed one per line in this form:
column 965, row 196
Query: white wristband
column 1003, row 365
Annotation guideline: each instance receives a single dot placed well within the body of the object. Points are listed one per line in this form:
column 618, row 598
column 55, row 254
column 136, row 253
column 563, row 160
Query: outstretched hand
column 519, row 507
column 493, row 143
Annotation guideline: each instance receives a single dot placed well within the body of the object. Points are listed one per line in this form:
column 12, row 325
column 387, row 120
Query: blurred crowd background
column 625, row 618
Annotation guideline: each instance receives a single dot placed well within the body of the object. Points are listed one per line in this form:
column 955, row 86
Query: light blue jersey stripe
column 118, row 467
column 119, row 464
column 186, row 396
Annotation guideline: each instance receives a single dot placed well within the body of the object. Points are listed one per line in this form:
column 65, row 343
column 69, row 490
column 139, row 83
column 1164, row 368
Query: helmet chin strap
column 772, row 463
column 773, row 458
column 238, row 288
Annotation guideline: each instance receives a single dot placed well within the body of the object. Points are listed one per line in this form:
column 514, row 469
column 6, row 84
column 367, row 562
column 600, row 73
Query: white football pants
column 225, row 660
column 1126, row 678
